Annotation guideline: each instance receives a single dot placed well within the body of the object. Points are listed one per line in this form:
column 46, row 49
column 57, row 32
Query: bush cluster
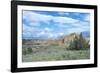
column 78, row 43
column 27, row 50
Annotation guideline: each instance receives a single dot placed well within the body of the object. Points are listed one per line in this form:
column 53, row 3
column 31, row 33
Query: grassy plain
column 55, row 53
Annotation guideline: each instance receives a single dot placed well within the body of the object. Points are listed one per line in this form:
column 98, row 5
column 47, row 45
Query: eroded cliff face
column 72, row 40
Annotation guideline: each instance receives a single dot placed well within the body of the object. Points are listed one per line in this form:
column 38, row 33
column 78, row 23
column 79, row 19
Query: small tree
column 84, row 44
column 29, row 50
column 74, row 45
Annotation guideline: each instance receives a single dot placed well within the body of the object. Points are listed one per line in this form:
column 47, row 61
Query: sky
column 52, row 25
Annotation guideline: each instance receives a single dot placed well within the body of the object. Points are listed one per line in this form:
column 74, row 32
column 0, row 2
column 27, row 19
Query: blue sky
column 51, row 25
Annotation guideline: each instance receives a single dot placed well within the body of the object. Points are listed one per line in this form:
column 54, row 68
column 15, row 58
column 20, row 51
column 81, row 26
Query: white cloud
column 36, row 17
column 29, row 31
column 61, row 33
column 64, row 20
column 49, row 35
column 64, row 13
column 27, row 28
column 81, row 24
column 78, row 29
column 87, row 17
column 41, row 33
column 33, row 24
column 46, row 29
column 32, row 16
column 45, row 34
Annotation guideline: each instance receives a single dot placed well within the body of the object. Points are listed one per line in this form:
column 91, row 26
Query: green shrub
column 24, row 51
column 29, row 50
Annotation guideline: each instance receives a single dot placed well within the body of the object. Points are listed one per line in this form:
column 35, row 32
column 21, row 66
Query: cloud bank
column 47, row 25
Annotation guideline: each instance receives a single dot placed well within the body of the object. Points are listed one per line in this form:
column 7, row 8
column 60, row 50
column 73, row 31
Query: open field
column 55, row 53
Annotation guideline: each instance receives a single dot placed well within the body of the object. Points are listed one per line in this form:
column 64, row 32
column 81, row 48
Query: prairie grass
column 55, row 53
